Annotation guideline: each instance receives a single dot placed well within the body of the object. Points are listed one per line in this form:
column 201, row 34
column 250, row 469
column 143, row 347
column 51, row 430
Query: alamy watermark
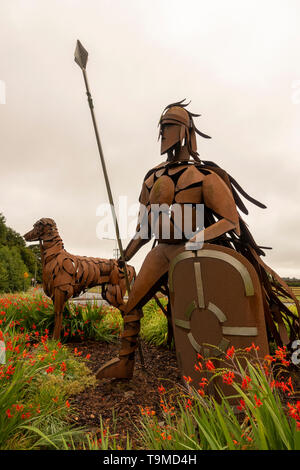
column 296, row 354
column 161, row 221
column 2, row 92
column 2, row 353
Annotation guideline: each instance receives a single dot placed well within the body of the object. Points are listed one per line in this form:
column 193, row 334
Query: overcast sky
column 238, row 62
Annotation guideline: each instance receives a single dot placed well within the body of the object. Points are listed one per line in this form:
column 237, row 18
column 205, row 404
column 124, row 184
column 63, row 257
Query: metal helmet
column 177, row 125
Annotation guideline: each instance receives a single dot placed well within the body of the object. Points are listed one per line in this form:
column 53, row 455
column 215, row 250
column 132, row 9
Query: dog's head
column 43, row 229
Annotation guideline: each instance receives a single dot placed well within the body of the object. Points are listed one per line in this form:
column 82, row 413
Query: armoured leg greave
column 122, row 367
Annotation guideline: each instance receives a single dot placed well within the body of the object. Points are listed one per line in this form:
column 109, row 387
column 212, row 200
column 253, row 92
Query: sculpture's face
column 170, row 136
column 174, row 126
column 41, row 230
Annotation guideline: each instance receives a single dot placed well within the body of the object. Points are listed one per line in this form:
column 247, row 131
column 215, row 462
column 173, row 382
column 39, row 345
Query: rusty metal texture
column 185, row 179
column 81, row 55
column 66, row 275
column 220, row 306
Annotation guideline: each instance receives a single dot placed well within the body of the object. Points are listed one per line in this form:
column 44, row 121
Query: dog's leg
column 59, row 302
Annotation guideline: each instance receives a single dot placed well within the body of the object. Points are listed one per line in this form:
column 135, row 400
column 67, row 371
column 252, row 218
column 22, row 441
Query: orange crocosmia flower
column 188, row 404
column 67, row 404
column 88, row 356
column 209, row 365
column 245, row 383
column 161, row 389
column 289, row 383
column 8, row 413
column 203, row 382
column 242, row 405
column 269, row 358
column 256, row 348
column 228, row 377
column 230, row 352
column 257, row 401
column 188, row 379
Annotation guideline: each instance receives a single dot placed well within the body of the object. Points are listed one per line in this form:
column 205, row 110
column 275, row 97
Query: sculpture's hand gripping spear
column 81, row 57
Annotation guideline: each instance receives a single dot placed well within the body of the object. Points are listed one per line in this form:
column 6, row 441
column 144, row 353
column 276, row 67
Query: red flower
column 188, row 404
column 256, row 348
column 230, row 352
column 228, row 377
column 209, row 365
column 198, row 367
column 188, row 379
column 245, row 383
column 242, row 405
column 8, row 413
column 257, row 401
column 203, row 382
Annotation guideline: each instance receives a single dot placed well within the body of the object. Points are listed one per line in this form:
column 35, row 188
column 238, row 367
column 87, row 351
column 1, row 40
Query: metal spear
column 81, row 57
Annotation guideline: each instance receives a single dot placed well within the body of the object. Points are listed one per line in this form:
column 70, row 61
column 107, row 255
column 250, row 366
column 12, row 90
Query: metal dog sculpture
column 66, row 275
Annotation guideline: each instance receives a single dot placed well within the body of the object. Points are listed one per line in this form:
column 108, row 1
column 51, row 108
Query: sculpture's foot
column 117, row 368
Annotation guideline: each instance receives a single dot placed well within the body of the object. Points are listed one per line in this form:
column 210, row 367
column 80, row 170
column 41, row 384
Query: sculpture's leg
column 148, row 281
column 59, row 302
column 122, row 366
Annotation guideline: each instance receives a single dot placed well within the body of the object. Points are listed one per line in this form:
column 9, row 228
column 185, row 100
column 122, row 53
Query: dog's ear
column 46, row 223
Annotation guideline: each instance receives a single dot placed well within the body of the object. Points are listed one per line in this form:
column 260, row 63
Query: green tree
column 16, row 259
column 4, row 279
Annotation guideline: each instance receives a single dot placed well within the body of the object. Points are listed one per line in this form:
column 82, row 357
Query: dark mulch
column 124, row 397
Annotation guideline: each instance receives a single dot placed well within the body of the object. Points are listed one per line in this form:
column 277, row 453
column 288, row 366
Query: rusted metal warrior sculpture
column 66, row 275
column 222, row 294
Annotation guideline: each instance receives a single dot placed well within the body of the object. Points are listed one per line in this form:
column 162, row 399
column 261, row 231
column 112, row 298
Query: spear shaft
column 81, row 56
column 108, row 188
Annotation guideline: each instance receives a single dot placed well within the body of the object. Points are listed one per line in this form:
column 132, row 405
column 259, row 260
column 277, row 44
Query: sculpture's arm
column 143, row 229
column 218, row 197
column 135, row 244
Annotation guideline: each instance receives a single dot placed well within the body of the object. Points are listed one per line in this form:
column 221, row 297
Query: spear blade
column 81, row 55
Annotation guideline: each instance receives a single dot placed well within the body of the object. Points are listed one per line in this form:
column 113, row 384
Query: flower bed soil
column 124, row 397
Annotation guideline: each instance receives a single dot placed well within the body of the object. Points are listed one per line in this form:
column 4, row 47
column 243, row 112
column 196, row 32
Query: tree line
column 18, row 264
